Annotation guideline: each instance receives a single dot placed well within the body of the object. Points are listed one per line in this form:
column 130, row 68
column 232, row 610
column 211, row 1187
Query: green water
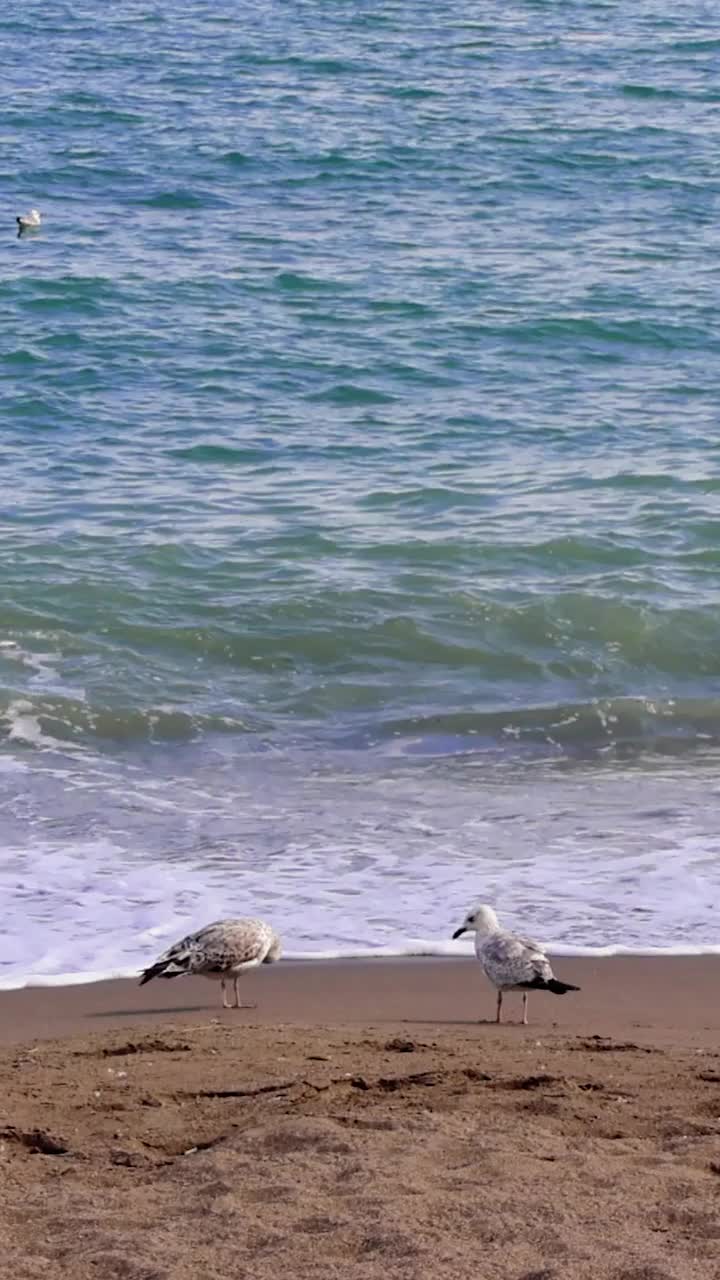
column 359, row 423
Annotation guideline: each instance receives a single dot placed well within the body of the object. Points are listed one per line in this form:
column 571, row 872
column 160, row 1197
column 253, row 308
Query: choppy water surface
column 361, row 503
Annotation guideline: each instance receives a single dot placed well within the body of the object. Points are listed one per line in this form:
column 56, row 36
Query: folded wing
column 220, row 947
column 509, row 961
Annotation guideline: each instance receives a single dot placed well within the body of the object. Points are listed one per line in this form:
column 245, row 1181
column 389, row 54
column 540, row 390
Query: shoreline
column 559, row 951
column 671, row 997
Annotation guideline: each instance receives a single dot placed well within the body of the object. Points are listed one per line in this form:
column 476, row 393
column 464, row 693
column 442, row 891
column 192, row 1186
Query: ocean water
column 360, row 515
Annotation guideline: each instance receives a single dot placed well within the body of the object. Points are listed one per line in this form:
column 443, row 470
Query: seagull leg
column 238, row 1003
column 498, row 1016
column 224, row 995
column 524, row 1008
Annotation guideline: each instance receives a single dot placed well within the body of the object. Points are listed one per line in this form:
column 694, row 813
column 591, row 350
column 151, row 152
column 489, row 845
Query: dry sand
column 323, row 1135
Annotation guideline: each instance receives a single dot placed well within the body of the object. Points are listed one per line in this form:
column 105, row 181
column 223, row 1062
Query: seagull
column 509, row 962
column 28, row 221
column 222, row 950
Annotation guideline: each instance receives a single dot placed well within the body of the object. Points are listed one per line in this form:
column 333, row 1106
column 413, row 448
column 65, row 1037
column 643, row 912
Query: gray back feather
column 509, row 961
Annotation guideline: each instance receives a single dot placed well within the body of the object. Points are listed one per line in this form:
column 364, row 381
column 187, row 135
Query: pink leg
column 238, row 1003
column 524, row 1008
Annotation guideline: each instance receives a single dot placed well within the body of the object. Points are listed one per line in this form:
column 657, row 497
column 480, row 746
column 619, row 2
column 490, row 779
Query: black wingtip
column 153, row 972
column 559, row 988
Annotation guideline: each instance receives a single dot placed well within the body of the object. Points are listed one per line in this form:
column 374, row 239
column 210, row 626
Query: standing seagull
column 221, row 950
column 509, row 962
column 28, row 221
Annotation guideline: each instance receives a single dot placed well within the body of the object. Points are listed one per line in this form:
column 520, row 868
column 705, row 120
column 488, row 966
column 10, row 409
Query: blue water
column 361, row 507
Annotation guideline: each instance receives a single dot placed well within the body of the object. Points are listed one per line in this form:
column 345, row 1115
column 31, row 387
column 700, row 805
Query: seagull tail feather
column 559, row 988
column 156, row 971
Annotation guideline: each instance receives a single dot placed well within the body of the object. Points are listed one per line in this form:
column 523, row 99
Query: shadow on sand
column 157, row 1013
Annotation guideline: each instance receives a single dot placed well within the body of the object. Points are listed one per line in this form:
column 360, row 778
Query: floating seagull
column 221, row 950
column 28, row 221
column 509, row 962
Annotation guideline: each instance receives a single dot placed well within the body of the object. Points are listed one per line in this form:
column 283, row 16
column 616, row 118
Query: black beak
column 457, row 932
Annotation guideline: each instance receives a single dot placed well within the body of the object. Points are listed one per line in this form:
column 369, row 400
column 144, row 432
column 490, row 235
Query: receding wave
column 623, row 725
column 404, row 950
column 43, row 721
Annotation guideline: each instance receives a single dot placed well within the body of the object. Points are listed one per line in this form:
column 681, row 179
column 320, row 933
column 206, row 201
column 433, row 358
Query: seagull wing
column 509, row 961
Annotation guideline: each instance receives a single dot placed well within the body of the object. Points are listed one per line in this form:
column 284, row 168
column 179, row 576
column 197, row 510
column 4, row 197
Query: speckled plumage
column 510, row 962
column 222, row 950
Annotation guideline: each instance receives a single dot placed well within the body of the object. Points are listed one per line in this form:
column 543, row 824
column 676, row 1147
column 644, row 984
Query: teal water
column 361, row 507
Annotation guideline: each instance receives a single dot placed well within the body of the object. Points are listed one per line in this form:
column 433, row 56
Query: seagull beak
column 457, row 932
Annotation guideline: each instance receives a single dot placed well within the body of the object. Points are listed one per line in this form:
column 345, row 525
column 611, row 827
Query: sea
column 360, row 459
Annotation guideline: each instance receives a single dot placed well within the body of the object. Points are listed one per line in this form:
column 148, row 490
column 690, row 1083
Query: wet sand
column 670, row 998
column 362, row 1123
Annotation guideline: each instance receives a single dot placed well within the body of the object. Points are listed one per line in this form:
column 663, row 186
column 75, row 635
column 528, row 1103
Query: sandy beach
column 361, row 1122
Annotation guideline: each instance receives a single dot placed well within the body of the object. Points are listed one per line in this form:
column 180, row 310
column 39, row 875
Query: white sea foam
column 23, row 725
column 105, row 862
column 417, row 949
column 92, row 911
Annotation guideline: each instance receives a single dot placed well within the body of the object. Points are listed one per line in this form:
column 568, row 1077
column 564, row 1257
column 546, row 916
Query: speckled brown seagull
column 223, row 950
column 509, row 962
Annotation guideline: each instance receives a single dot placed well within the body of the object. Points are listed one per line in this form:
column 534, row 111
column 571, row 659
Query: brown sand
column 360, row 1125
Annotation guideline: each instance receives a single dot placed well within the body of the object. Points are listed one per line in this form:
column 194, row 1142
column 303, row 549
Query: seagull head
column 480, row 919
